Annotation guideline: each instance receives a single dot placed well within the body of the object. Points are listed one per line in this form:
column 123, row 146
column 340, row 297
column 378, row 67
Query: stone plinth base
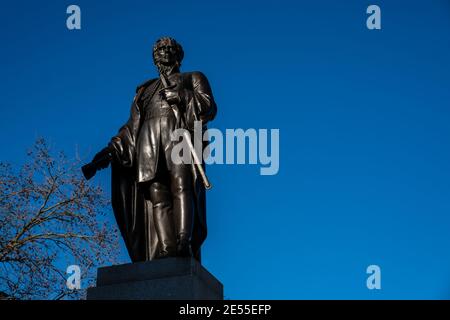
column 170, row 278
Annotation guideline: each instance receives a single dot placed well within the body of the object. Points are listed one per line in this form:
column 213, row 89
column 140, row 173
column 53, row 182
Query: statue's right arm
column 124, row 143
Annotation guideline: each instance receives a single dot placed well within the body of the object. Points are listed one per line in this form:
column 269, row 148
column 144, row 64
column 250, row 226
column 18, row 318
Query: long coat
column 137, row 148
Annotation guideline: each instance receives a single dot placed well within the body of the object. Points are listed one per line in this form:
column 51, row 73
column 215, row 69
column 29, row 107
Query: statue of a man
column 160, row 205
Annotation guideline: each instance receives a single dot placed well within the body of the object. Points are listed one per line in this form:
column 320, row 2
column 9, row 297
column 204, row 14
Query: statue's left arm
column 199, row 100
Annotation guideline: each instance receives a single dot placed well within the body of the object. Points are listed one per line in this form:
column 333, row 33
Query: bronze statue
column 159, row 205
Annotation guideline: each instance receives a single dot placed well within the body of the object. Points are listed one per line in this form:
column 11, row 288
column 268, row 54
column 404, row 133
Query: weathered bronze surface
column 159, row 205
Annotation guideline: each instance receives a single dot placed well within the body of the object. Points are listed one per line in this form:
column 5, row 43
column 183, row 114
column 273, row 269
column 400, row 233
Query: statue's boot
column 183, row 246
column 163, row 221
column 164, row 230
column 183, row 207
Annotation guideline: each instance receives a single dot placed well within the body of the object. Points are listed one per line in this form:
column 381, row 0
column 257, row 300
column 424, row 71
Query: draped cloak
column 135, row 163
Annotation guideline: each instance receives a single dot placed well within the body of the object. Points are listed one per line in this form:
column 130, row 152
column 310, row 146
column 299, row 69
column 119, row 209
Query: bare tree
column 51, row 217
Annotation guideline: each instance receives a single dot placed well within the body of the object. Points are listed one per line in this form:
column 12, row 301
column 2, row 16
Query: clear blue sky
column 363, row 116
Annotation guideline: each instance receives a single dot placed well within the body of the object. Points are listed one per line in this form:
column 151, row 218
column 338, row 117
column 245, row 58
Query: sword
column 187, row 138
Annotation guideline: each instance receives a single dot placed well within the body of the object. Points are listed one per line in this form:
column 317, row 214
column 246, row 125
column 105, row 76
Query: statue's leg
column 183, row 206
column 162, row 217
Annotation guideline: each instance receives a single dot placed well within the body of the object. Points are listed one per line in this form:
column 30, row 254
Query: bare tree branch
column 50, row 217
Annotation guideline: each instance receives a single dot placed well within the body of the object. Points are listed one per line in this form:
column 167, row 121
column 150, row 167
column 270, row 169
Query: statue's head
column 167, row 52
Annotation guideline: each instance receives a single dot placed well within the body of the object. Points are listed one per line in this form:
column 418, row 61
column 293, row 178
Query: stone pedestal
column 170, row 278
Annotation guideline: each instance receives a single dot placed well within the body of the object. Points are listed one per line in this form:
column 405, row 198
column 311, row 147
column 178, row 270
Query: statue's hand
column 103, row 158
column 171, row 94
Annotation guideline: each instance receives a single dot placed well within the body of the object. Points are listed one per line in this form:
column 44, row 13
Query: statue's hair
column 163, row 40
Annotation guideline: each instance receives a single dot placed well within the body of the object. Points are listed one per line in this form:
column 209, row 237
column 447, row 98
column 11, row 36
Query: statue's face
column 166, row 53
